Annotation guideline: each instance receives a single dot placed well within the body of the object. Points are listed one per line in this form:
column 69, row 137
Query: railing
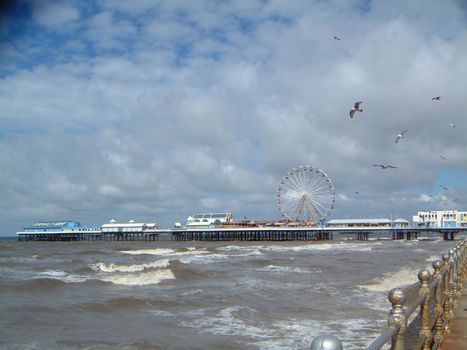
column 432, row 301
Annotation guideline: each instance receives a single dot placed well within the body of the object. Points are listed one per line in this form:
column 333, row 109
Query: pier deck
column 239, row 234
column 457, row 339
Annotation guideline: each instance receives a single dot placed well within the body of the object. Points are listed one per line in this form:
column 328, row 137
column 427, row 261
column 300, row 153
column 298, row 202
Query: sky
column 155, row 110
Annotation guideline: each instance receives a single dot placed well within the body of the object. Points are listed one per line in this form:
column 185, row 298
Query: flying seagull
column 444, row 187
column 436, row 98
column 443, row 157
column 356, row 108
column 401, row 135
column 452, row 125
column 337, row 38
column 385, row 166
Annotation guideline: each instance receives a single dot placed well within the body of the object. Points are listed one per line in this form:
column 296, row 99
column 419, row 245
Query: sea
column 203, row 295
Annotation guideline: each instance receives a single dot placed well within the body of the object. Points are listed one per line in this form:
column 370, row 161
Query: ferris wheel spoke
column 319, row 200
column 316, row 215
column 319, row 207
column 322, row 187
column 323, row 193
column 316, row 183
column 294, row 182
column 291, row 187
column 311, row 208
column 294, row 203
column 300, row 181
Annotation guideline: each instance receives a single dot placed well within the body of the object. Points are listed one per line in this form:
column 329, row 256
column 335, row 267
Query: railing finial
column 326, row 342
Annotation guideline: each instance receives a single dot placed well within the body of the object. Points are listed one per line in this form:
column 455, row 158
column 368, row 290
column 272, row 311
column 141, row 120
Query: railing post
column 456, row 277
column 397, row 318
column 452, row 281
column 463, row 261
column 459, row 271
column 446, row 307
column 425, row 329
column 438, row 308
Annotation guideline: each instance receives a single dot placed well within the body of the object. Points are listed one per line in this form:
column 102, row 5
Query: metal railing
column 432, row 300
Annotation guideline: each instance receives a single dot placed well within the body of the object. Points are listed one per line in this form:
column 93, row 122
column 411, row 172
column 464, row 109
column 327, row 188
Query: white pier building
column 208, row 220
column 441, row 218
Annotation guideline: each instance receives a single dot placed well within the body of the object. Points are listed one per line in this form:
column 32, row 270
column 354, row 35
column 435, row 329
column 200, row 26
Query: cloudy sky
column 155, row 110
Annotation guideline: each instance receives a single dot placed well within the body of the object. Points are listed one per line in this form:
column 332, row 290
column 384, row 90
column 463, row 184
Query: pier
column 86, row 236
column 242, row 234
column 436, row 306
column 253, row 234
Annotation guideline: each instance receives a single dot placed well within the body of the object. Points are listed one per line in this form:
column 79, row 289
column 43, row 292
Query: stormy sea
column 203, row 295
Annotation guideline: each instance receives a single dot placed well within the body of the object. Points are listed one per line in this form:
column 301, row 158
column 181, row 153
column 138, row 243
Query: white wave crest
column 62, row 276
column 434, row 258
column 140, row 278
column 110, row 267
column 239, row 247
column 390, row 280
column 322, row 246
column 283, row 269
column 157, row 251
column 205, row 258
column 228, row 322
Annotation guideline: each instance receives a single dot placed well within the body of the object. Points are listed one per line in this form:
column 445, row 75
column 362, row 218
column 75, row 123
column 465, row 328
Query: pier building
column 366, row 223
column 441, row 219
column 55, row 227
column 208, row 220
column 129, row 227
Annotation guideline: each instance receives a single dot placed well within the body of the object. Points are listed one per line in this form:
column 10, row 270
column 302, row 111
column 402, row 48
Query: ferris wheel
column 306, row 193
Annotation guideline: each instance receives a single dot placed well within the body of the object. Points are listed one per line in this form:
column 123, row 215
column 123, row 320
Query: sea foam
column 62, row 276
column 283, row 269
column 390, row 280
column 140, row 278
column 157, row 251
column 110, row 267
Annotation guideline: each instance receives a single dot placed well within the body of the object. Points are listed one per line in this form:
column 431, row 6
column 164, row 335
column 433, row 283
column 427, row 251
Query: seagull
column 337, row 38
column 436, row 98
column 443, row 157
column 385, row 166
column 401, row 135
column 356, row 192
column 444, row 187
column 452, row 125
column 356, row 108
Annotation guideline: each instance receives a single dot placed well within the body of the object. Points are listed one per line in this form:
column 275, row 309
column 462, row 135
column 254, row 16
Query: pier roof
column 358, row 221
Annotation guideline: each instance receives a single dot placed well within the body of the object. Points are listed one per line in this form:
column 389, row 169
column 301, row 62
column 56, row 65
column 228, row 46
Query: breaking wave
column 62, row 276
column 403, row 277
column 110, row 267
column 283, row 269
column 140, row 278
column 157, row 251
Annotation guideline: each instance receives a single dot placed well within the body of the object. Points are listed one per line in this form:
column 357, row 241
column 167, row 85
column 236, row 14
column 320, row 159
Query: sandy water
column 202, row 295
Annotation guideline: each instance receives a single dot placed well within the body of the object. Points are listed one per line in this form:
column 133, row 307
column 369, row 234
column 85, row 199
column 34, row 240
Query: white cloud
column 54, row 13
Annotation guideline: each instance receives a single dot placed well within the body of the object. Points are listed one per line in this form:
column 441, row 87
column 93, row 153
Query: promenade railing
column 429, row 303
